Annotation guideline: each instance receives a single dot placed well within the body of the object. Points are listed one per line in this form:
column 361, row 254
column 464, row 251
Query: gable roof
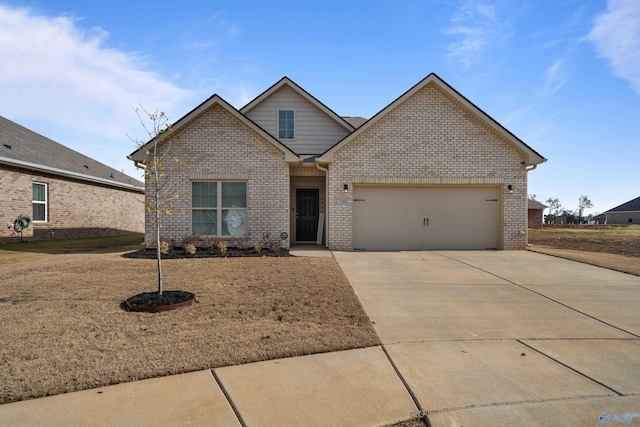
column 26, row 149
column 532, row 156
column 139, row 155
column 534, row 204
column 286, row 81
column 630, row 206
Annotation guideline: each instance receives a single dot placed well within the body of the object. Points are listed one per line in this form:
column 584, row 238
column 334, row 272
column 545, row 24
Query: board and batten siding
column 315, row 132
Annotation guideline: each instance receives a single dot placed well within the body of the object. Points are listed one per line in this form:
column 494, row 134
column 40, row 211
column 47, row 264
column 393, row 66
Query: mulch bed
column 178, row 253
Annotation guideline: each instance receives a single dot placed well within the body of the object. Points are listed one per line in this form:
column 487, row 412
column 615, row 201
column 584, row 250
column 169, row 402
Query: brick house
column 429, row 171
column 64, row 193
column 535, row 213
column 626, row 213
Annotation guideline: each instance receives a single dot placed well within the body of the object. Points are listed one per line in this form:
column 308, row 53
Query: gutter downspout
column 530, row 169
column 326, row 202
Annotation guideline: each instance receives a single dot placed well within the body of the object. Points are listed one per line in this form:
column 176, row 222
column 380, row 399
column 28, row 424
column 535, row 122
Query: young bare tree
column 583, row 203
column 554, row 207
column 160, row 163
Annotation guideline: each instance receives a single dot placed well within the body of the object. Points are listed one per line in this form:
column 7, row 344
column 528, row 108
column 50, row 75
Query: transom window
column 219, row 208
column 286, row 124
column 39, row 191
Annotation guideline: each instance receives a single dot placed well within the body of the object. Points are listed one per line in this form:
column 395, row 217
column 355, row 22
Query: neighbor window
column 219, row 208
column 285, row 124
column 39, row 201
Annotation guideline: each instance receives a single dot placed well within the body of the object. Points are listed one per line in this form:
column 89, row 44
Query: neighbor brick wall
column 430, row 139
column 75, row 208
column 534, row 218
column 217, row 146
column 623, row 217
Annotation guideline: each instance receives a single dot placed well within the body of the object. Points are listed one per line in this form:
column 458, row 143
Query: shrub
column 239, row 242
column 222, row 248
column 164, row 247
column 209, row 242
column 191, row 240
column 272, row 244
column 190, row 249
column 257, row 248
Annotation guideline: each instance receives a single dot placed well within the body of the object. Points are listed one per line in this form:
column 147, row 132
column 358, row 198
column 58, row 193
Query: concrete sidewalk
column 469, row 338
column 347, row 388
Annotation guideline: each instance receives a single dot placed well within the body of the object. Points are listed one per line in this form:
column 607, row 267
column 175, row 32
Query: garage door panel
column 425, row 218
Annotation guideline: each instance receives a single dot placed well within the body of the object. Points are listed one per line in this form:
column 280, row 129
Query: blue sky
column 562, row 75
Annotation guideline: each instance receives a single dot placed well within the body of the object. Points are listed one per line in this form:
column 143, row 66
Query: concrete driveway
column 505, row 338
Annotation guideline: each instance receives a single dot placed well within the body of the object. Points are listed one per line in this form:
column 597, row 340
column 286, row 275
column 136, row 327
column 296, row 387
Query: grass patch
column 63, row 328
column 616, row 248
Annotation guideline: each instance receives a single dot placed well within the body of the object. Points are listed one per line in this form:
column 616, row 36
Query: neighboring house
column 64, row 193
column 626, row 213
column 429, row 171
column 535, row 212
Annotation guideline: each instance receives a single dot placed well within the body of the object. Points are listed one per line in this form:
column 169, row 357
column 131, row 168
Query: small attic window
column 286, row 124
column 7, row 145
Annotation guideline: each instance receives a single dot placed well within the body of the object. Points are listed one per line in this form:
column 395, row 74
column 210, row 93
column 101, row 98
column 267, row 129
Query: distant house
column 626, row 213
column 429, row 171
column 64, row 193
column 535, row 215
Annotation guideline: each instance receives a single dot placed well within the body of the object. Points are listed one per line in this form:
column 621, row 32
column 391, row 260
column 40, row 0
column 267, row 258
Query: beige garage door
column 425, row 218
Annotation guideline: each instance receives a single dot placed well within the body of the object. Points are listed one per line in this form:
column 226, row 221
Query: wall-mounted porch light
column 346, row 188
column 510, row 188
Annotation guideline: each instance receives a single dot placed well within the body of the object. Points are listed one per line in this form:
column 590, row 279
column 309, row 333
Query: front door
column 307, row 212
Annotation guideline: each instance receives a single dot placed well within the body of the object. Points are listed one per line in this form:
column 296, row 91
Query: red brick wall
column 535, row 217
column 75, row 208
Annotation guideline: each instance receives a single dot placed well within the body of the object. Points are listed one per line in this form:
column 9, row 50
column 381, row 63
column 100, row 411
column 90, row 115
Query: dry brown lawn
column 63, row 328
column 616, row 248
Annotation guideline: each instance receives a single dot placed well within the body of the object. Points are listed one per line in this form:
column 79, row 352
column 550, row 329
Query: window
column 285, row 124
column 219, row 208
column 39, row 202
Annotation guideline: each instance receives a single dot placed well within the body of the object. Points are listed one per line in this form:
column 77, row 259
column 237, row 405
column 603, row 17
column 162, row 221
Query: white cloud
column 475, row 26
column 555, row 77
column 59, row 75
column 616, row 35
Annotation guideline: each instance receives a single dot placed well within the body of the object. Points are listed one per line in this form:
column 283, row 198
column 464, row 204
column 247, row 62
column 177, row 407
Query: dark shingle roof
column 356, row 122
column 21, row 145
column 630, row 206
column 534, row 204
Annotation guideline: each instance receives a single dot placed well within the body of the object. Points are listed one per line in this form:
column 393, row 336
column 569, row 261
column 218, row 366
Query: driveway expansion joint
column 515, row 403
column 539, row 294
column 571, row 368
column 406, row 386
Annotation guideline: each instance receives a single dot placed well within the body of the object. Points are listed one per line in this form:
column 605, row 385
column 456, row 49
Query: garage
column 389, row 218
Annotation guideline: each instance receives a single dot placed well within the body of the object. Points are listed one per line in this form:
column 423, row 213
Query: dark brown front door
column 307, row 212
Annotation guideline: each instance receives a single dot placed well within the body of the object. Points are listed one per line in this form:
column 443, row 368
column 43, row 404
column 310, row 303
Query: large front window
column 39, row 191
column 219, row 208
column 286, row 124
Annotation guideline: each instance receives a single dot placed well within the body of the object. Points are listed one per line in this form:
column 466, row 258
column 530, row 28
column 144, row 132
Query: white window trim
column 218, row 208
column 39, row 202
column 294, row 124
